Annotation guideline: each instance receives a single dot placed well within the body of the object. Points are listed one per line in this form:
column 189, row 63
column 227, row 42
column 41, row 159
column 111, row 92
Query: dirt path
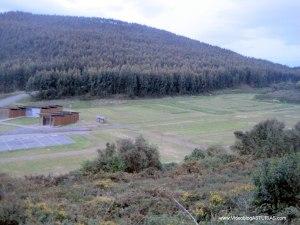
column 12, row 99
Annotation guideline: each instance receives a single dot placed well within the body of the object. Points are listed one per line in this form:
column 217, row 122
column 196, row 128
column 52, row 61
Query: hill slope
column 62, row 55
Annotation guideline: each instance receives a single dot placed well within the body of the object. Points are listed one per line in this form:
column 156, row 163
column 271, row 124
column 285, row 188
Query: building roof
column 42, row 106
column 30, row 106
column 13, row 107
column 62, row 113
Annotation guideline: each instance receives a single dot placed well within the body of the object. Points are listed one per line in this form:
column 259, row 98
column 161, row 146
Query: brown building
column 12, row 112
column 51, row 109
column 34, row 111
column 52, row 115
column 59, row 118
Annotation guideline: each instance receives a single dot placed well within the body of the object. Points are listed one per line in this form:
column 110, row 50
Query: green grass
column 175, row 124
column 44, row 166
column 24, row 121
column 5, row 127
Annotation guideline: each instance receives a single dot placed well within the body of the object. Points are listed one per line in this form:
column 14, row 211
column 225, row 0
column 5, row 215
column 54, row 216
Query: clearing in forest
column 176, row 124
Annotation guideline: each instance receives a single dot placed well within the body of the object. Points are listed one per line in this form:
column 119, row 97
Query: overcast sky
column 268, row 29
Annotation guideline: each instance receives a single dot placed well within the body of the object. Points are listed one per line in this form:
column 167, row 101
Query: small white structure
column 100, row 119
column 33, row 111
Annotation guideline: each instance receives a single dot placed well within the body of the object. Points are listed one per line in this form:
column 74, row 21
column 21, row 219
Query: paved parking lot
column 28, row 141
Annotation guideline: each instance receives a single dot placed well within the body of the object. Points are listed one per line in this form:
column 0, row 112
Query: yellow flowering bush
column 60, row 214
column 105, row 183
column 201, row 211
column 242, row 188
column 44, row 211
column 186, row 196
column 99, row 200
column 216, row 198
column 108, row 223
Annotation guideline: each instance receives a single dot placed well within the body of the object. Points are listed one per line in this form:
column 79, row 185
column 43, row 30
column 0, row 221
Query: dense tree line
column 66, row 56
column 52, row 84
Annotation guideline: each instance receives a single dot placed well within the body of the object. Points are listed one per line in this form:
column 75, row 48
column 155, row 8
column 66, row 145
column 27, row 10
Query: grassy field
column 5, row 127
column 24, row 121
column 176, row 124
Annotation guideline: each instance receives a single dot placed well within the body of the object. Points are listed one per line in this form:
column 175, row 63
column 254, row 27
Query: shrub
column 129, row 156
column 169, row 166
column 216, row 198
column 44, row 213
column 138, row 155
column 212, row 158
column 293, row 137
column 164, row 219
column 188, row 168
column 277, row 183
column 215, row 150
column 266, row 139
column 188, row 197
column 12, row 211
column 108, row 160
column 212, row 151
column 217, row 161
column 108, row 223
column 290, row 213
column 202, row 211
column 196, row 155
column 105, row 183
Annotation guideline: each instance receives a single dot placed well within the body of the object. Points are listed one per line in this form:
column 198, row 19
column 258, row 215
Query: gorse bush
column 211, row 158
column 195, row 155
column 211, row 152
column 266, row 139
column 277, row 183
column 108, row 160
column 293, row 137
column 138, row 155
column 129, row 156
column 12, row 211
column 215, row 150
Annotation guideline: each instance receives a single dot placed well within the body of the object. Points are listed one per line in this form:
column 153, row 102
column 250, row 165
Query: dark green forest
column 65, row 56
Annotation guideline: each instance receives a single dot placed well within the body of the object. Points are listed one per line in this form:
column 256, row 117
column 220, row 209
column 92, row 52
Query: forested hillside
column 66, row 56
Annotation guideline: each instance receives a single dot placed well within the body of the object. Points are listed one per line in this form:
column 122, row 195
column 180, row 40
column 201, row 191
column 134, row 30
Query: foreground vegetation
column 120, row 188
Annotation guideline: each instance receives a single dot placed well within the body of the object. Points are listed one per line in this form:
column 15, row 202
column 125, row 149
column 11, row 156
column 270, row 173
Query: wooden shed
column 34, row 111
column 51, row 109
column 59, row 118
column 12, row 112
